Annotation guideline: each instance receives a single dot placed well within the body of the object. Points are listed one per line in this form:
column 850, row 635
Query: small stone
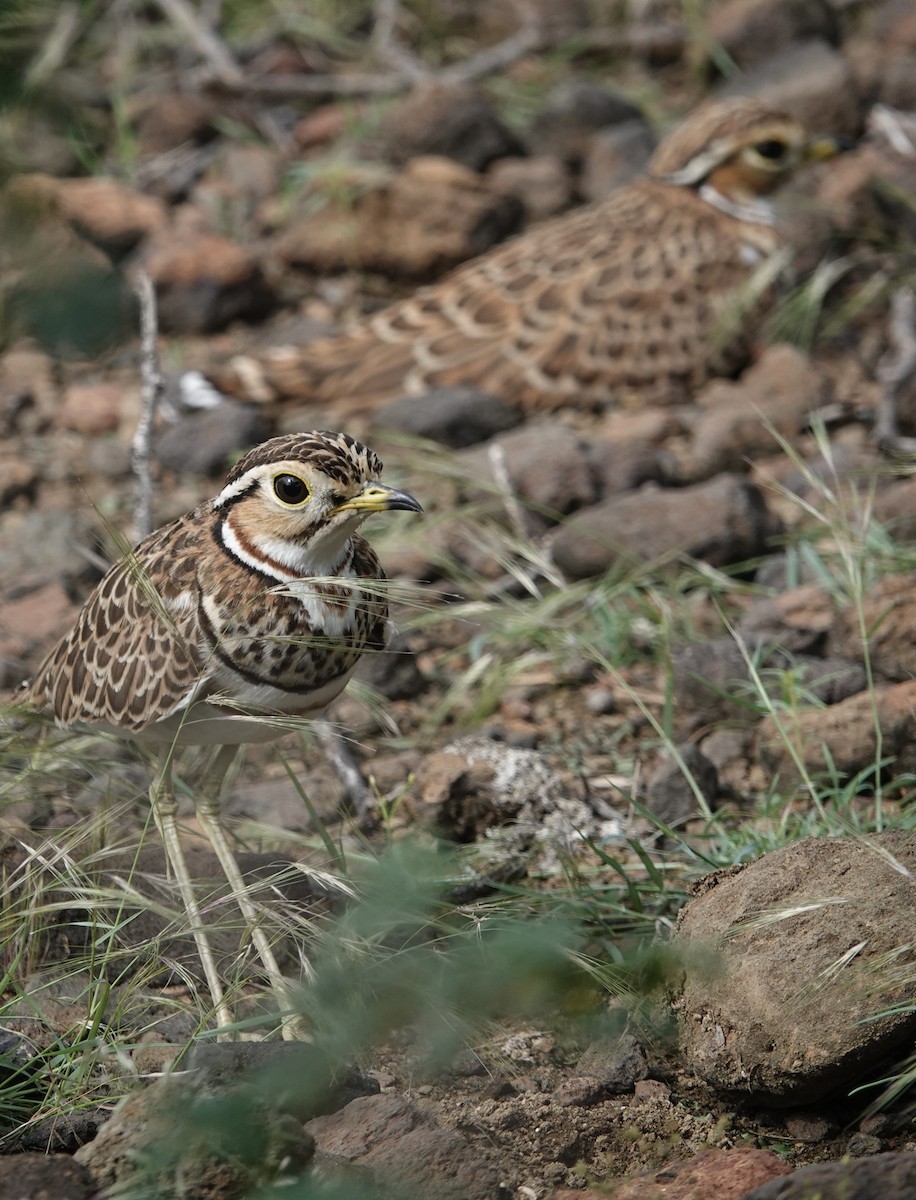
column 548, row 466
column 861, row 1144
column 414, row 224
column 722, row 521
column 456, row 417
column 581, row 1091
column 751, row 31
column 108, row 213
column 91, row 408
column 204, row 442
column 601, row 701
column 723, row 1174
column 670, row 789
column 401, row 1144
column 616, row 1063
column 809, row 79
column 165, row 120
column 17, row 478
column 39, row 615
column 322, row 125
column 651, row 1089
column 616, row 156
column 808, row 1127
column 394, row 671
column 204, row 281
column 456, row 121
column 573, row 112
column 774, row 1022
column 542, row 184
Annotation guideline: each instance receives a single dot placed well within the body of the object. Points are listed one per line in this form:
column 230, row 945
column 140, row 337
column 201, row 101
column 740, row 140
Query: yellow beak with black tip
column 378, row 497
column 821, row 148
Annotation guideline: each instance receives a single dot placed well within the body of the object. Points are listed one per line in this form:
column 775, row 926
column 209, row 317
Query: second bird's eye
column 291, row 489
column 770, row 149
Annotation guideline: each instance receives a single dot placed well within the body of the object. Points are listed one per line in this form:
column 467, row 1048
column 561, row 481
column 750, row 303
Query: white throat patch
column 759, row 212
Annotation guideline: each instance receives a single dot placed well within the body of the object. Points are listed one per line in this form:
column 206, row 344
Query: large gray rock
column 888, row 1176
column 722, row 521
column 457, row 121
column 800, row 953
column 402, row 1145
column 456, row 417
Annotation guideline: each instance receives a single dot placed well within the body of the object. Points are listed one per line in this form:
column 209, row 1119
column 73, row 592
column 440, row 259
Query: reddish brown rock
column 456, row 121
column 542, row 185
column 741, row 421
column 796, row 620
column 105, row 211
column 842, row 738
column 323, row 124
column 17, row 478
column 204, row 281
column 432, row 215
column 750, row 31
column 91, row 408
column 809, row 79
column 166, row 120
column 38, row 616
column 888, row 613
column 614, row 157
column 402, row 1144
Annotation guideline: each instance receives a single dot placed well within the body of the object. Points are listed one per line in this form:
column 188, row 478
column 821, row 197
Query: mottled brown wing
column 131, row 658
column 620, row 295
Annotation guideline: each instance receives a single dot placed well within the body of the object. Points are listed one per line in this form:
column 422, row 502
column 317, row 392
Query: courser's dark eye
column 291, row 489
column 771, row 149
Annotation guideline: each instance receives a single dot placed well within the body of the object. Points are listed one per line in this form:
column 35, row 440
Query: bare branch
column 895, row 369
column 151, row 389
column 211, row 48
column 387, row 48
column 408, row 70
column 529, row 36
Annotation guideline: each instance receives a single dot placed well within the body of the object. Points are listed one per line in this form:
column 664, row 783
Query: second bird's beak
column 378, row 497
column 821, row 148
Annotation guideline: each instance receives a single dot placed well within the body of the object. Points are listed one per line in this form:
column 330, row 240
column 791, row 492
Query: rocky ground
column 637, row 647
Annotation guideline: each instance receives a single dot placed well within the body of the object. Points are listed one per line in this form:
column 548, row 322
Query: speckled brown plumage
column 184, row 620
column 621, row 299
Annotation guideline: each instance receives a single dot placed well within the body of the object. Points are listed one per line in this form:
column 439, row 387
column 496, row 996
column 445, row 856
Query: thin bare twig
column 408, row 70
column 289, row 87
column 529, row 36
column 210, row 47
column 388, row 49
column 895, row 369
column 151, row 388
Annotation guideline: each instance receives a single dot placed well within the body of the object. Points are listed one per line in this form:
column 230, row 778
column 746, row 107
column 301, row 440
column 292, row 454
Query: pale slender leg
column 208, row 814
column 165, row 812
